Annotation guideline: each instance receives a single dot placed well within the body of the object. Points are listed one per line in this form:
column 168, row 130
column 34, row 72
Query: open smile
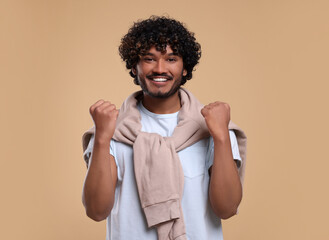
column 159, row 78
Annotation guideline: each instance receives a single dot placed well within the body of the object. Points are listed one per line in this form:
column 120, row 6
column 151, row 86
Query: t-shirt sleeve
column 87, row 153
column 234, row 147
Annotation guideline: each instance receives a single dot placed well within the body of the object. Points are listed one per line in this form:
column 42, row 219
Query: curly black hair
column 159, row 32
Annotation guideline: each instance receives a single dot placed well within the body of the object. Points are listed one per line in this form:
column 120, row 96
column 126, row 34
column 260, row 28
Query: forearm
column 225, row 190
column 99, row 186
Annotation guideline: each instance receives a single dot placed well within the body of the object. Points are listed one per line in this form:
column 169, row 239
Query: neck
column 162, row 105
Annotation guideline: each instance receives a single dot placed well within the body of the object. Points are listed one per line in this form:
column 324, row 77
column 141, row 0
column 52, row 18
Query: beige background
column 268, row 59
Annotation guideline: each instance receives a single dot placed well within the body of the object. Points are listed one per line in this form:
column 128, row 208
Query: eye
column 148, row 59
column 171, row 60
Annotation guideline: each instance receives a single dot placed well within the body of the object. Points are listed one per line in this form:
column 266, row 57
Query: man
column 164, row 166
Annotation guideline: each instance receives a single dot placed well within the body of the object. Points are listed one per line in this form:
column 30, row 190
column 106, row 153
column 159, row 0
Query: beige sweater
column 158, row 172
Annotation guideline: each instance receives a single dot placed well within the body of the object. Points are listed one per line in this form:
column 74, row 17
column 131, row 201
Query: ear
column 133, row 70
column 184, row 72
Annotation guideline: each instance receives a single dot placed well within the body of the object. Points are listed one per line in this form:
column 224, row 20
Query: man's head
column 159, row 33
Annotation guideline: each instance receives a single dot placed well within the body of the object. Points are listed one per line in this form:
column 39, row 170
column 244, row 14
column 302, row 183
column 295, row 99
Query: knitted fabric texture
column 158, row 172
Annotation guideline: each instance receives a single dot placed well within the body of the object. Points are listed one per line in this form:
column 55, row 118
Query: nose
column 160, row 67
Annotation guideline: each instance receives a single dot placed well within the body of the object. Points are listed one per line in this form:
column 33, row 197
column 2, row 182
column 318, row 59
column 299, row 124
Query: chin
column 159, row 94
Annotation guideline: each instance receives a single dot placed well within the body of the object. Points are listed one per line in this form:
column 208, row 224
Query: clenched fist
column 105, row 116
column 217, row 117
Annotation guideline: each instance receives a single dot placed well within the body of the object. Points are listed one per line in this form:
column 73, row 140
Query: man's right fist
column 105, row 116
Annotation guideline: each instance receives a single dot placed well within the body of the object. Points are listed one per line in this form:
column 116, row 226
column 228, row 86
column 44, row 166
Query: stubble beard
column 159, row 94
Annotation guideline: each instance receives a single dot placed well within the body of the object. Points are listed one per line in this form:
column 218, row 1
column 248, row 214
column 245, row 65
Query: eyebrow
column 152, row 54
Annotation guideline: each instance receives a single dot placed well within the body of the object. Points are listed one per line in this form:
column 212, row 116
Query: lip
column 159, row 83
column 161, row 78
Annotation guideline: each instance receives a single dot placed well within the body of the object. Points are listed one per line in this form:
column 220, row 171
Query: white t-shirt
column 127, row 220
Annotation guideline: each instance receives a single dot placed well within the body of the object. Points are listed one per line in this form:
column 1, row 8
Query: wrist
column 221, row 136
column 102, row 140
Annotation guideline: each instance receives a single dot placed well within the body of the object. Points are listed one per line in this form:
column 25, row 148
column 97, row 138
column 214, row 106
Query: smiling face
column 160, row 74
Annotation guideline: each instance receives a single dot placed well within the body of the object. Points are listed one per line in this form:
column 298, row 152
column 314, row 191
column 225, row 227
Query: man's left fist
column 217, row 116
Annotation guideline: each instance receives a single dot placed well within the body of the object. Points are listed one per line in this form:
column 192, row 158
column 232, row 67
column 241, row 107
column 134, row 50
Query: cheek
column 180, row 68
column 180, row 72
column 143, row 68
column 139, row 69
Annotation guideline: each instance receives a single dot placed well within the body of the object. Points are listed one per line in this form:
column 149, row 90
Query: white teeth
column 159, row 79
